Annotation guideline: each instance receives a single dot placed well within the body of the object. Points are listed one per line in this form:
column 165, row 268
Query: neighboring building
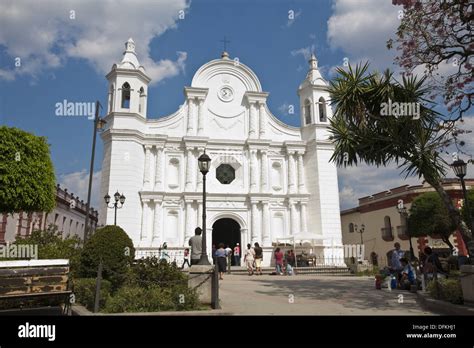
column 384, row 226
column 267, row 180
column 69, row 215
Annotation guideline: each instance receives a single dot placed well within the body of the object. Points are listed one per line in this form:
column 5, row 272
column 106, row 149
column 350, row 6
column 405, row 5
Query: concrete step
column 326, row 270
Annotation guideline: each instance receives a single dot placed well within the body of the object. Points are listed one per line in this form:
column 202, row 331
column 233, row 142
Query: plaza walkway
column 312, row 295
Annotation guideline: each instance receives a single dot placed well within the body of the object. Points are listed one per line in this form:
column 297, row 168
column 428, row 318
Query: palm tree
column 362, row 133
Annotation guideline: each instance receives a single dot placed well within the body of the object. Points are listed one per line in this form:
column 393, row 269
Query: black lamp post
column 204, row 164
column 460, row 169
column 403, row 211
column 99, row 124
column 118, row 198
column 362, row 230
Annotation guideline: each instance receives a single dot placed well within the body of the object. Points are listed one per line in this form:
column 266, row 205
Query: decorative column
column 293, row 218
column 191, row 111
column 262, row 120
column 291, row 173
column 146, row 175
column 304, row 223
column 266, row 224
column 201, row 116
column 301, row 185
column 255, row 231
column 253, row 121
column 189, row 169
column 145, row 214
column 253, row 170
column 159, row 169
column 188, row 233
column 157, row 224
column 264, row 171
column 199, row 174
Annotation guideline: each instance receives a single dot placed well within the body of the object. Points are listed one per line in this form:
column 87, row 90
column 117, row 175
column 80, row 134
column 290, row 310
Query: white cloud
column 304, row 51
column 78, row 183
column 361, row 29
column 44, row 36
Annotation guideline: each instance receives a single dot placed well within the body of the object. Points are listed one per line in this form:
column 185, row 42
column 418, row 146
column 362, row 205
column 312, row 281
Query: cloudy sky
column 52, row 51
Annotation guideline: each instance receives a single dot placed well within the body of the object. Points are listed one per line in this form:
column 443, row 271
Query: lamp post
column 118, row 198
column 204, row 164
column 99, row 124
column 460, row 169
column 361, row 231
column 403, row 211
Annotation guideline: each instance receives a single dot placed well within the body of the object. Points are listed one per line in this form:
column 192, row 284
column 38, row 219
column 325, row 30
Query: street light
column 403, row 211
column 460, row 169
column 119, row 198
column 204, row 164
column 362, row 229
column 99, row 125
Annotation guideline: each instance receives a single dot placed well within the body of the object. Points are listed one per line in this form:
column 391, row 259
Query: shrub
column 153, row 271
column 447, row 290
column 114, row 248
column 51, row 245
column 151, row 299
column 84, row 290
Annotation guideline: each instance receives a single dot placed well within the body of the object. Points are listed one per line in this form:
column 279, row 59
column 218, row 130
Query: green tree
column 51, row 245
column 363, row 133
column 465, row 214
column 27, row 181
column 112, row 246
column 429, row 216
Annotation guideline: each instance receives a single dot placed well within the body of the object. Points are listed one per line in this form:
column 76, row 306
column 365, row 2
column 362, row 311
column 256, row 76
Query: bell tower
column 128, row 84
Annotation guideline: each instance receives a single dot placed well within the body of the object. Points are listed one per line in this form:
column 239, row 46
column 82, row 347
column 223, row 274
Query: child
column 186, row 258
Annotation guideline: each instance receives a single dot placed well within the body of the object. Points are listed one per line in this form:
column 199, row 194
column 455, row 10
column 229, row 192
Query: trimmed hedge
column 447, row 290
column 84, row 290
column 115, row 248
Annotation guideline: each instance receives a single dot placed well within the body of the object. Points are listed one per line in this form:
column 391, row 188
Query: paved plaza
column 313, row 295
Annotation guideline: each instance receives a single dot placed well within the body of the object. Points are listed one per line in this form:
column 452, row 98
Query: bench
column 30, row 280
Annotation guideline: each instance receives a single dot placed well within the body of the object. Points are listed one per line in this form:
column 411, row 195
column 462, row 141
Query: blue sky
column 66, row 58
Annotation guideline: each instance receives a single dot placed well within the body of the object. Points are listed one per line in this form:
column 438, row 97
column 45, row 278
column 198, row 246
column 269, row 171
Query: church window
column 277, row 176
column 141, row 106
column 225, row 173
column 307, row 111
column 322, row 110
column 351, row 227
column 125, row 96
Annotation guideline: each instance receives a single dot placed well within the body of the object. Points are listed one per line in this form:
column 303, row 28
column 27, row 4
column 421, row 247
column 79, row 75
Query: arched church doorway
column 226, row 231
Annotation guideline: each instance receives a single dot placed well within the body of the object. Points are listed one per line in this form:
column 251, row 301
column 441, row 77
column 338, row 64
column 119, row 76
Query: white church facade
column 267, row 180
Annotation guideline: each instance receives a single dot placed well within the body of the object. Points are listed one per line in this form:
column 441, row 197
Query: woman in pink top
column 278, row 261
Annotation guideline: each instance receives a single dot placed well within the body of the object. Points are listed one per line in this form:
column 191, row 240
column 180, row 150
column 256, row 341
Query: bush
column 150, row 271
column 114, row 248
column 84, row 290
column 152, row 299
column 447, row 290
column 51, row 245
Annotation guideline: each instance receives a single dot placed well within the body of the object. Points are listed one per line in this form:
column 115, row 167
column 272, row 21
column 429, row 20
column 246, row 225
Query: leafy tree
column 27, row 181
column 51, row 245
column 429, row 216
column 114, row 248
column 433, row 34
column 362, row 133
column 469, row 216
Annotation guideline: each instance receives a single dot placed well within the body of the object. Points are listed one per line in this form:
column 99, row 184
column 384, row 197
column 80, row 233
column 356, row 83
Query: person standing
column 186, row 258
column 395, row 264
column 249, row 259
column 258, row 258
column 237, row 254
column 228, row 253
column 195, row 242
column 221, row 258
column 278, row 261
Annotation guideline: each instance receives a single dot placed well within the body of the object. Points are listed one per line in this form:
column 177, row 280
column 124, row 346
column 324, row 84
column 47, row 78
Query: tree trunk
column 454, row 214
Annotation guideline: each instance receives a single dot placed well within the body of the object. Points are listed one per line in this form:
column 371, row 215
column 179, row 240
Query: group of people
column 429, row 265
column 284, row 263
column 253, row 259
